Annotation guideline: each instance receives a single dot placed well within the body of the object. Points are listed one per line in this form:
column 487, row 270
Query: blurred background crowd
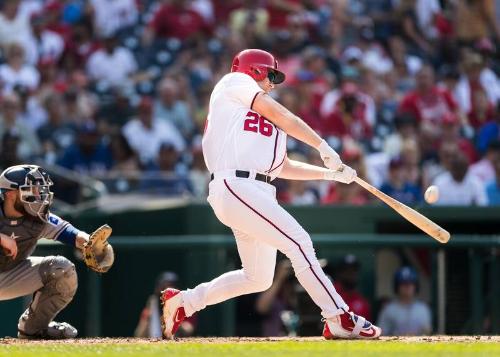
column 117, row 90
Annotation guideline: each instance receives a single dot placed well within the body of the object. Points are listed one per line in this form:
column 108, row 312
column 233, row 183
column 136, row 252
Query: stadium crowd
column 407, row 91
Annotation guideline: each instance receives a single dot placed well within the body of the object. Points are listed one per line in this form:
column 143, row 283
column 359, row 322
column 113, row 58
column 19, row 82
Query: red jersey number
column 257, row 123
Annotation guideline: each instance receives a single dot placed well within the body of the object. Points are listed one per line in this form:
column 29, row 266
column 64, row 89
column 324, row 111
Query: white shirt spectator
column 111, row 16
column 470, row 191
column 27, row 76
column 483, row 170
column 17, row 30
column 426, row 10
column 49, row 47
column 114, row 68
column 490, row 83
column 147, row 141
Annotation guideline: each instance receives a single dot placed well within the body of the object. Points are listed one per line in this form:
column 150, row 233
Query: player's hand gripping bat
column 422, row 222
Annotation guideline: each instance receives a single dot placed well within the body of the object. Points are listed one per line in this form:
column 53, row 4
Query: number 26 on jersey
column 257, row 124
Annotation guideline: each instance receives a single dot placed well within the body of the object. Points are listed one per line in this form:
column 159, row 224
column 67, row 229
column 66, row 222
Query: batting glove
column 346, row 174
column 329, row 156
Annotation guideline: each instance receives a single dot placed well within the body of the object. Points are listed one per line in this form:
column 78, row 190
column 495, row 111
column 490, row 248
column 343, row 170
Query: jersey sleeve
column 58, row 229
column 243, row 89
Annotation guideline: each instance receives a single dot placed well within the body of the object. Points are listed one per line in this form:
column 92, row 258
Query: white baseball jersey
column 236, row 137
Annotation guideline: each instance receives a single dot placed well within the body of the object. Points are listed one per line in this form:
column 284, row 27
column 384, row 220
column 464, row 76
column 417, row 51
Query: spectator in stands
column 175, row 19
column 477, row 77
column 489, row 132
column 45, row 45
column 125, row 160
column 113, row 115
column 282, row 11
column 350, row 115
column 398, row 184
column 406, row 129
column 8, row 150
column 150, row 320
column 457, row 187
column 80, row 45
column 406, row 65
column 113, row 64
column 405, row 315
column 58, row 133
column 16, row 71
column 450, row 132
column 146, row 133
column 493, row 187
column 32, row 112
column 250, row 21
column 482, row 111
column 346, row 281
column 278, row 299
column 475, row 20
column 171, row 108
column 29, row 145
column 113, row 16
column 167, row 175
column 14, row 25
column 484, row 169
column 428, row 103
column 89, row 155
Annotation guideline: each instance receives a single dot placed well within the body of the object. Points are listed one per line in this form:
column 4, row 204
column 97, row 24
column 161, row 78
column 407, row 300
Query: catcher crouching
column 24, row 219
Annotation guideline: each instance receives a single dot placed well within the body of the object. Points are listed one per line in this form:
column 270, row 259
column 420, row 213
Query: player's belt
column 246, row 174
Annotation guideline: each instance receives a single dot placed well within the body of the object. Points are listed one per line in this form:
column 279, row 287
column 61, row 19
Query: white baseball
column 431, row 194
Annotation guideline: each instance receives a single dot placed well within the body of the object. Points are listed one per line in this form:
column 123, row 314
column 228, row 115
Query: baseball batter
column 24, row 219
column 244, row 146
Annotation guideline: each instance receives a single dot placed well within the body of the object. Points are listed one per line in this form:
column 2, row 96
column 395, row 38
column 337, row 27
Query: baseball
column 431, row 194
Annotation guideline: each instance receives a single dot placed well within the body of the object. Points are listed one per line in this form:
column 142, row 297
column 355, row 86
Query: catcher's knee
column 59, row 274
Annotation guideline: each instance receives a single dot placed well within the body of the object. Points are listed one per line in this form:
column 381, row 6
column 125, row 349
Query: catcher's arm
column 81, row 239
column 98, row 254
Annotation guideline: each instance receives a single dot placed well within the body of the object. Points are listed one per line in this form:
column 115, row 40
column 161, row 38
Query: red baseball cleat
column 350, row 326
column 173, row 312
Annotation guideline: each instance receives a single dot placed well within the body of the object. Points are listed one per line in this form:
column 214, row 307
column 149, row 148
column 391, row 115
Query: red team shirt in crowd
column 237, row 137
column 431, row 108
column 181, row 23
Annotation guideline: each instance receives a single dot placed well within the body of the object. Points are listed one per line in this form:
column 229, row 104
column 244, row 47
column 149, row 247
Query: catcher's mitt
column 97, row 252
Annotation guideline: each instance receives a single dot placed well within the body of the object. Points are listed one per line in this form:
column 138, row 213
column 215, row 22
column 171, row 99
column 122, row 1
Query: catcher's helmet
column 405, row 274
column 258, row 64
column 33, row 184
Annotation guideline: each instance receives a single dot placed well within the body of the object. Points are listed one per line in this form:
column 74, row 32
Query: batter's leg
column 258, row 261
column 253, row 209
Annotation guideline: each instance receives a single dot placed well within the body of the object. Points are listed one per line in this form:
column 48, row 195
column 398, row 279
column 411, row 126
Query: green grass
column 282, row 348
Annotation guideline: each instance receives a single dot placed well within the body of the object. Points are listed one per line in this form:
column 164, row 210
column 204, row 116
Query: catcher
column 24, row 219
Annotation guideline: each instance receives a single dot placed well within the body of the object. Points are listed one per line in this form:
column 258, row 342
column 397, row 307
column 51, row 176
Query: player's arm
column 60, row 230
column 273, row 111
column 296, row 127
column 296, row 170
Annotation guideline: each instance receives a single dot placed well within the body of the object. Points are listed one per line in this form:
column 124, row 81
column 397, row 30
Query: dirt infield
column 130, row 340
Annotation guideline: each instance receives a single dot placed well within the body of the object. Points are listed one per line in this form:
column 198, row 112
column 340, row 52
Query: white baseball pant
column 261, row 227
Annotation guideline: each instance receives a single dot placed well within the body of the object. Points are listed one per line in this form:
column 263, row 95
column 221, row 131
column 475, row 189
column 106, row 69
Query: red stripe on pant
column 286, row 235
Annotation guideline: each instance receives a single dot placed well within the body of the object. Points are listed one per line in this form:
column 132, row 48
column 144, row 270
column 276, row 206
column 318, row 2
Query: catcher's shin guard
column 350, row 326
column 173, row 313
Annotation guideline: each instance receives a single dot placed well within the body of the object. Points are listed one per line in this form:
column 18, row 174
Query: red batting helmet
column 258, row 64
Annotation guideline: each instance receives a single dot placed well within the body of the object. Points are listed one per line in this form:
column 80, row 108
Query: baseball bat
column 419, row 220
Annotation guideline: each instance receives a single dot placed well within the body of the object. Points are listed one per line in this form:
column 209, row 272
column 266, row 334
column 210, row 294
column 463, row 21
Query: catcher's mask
column 33, row 184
